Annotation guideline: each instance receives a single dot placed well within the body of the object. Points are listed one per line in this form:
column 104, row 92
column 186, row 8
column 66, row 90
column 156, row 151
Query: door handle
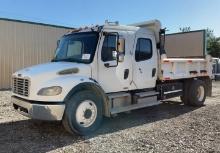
column 153, row 72
column 126, row 73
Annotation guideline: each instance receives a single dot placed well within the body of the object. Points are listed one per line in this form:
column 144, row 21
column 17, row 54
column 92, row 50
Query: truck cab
column 98, row 71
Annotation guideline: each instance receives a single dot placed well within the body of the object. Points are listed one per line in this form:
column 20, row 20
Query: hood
column 52, row 69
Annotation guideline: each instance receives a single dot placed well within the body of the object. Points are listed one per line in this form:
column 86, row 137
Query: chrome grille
column 21, row 86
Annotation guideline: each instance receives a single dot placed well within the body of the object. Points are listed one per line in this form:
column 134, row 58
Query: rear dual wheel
column 194, row 93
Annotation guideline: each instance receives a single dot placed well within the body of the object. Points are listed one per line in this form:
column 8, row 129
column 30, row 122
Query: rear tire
column 197, row 93
column 184, row 97
column 83, row 113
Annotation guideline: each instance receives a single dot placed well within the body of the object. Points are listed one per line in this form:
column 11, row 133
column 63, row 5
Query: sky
column 173, row 14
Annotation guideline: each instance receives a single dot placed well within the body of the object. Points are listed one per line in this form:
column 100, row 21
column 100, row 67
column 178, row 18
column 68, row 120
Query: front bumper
column 39, row 110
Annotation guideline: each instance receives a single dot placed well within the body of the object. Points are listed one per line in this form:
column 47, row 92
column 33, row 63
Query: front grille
column 21, row 86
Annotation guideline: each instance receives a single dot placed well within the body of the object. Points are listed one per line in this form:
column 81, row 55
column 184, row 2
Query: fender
column 94, row 87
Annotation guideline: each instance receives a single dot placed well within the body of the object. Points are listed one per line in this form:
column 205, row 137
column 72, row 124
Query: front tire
column 83, row 113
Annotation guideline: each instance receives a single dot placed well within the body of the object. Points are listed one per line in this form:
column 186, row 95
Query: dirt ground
column 168, row 127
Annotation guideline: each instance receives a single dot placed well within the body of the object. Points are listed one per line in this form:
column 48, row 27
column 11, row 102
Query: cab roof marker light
column 116, row 23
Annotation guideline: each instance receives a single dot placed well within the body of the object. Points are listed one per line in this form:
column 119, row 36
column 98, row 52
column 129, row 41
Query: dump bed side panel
column 179, row 68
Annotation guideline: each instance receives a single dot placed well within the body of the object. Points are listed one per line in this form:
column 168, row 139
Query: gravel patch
column 168, row 127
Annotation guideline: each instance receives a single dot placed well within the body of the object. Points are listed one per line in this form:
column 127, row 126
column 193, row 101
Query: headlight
column 50, row 91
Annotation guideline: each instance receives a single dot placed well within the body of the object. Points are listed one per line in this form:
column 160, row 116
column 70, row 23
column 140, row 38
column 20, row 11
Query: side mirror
column 118, row 56
column 121, row 58
column 114, row 55
column 121, row 45
column 121, row 49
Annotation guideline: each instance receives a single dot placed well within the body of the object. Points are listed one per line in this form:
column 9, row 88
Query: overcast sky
column 198, row 14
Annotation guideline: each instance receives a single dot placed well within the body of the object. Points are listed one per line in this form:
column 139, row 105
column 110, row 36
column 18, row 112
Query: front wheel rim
column 200, row 93
column 86, row 113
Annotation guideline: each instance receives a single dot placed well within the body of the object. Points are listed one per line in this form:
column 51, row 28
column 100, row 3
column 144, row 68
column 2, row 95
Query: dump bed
column 186, row 52
column 179, row 68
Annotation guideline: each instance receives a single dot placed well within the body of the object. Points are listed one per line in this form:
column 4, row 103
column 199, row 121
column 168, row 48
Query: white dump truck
column 105, row 70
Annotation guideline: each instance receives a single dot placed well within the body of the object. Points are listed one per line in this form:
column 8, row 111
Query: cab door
column 145, row 61
column 113, row 76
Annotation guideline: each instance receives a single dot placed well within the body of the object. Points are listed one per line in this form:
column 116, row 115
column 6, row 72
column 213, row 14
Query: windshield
column 77, row 47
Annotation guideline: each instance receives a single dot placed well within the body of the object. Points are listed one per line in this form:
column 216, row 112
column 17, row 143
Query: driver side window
column 108, row 46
